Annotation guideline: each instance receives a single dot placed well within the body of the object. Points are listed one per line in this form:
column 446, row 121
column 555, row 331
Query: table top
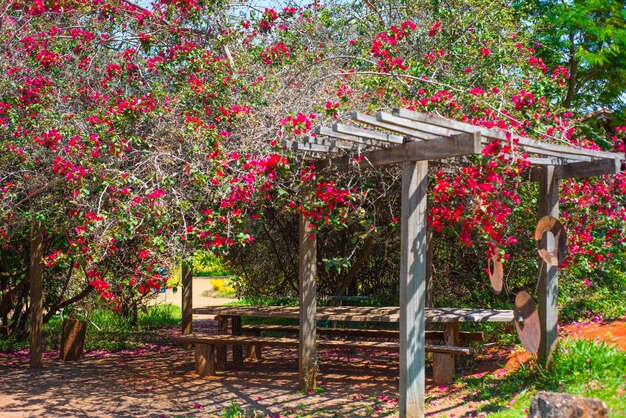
column 362, row 313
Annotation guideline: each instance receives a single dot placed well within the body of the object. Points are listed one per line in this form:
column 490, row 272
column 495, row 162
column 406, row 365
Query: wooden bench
column 254, row 351
column 205, row 364
column 256, row 329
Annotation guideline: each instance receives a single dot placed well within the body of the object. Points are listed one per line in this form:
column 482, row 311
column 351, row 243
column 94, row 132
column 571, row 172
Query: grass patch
column 107, row 330
column 580, row 367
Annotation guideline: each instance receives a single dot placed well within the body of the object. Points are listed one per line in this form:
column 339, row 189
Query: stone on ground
column 562, row 405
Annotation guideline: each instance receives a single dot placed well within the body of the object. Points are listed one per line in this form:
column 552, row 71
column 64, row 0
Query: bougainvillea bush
column 133, row 135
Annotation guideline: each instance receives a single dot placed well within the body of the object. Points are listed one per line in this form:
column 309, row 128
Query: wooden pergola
column 412, row 139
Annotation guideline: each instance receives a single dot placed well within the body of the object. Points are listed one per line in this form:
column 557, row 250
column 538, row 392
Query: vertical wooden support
column 429, row 263
column 187, row 297
column 205, row 360
column 548, row 275
column 35, row 272
column 307, row 266
column 413, row 288
column 237, row 348
column 222, row 328
column 444, row 364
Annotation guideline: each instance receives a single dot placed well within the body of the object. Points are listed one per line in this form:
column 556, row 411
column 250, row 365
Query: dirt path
column 201, row 288
column 159, row 381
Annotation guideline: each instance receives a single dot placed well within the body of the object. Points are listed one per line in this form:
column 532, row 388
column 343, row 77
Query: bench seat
column 464, row 336
column 206, row 344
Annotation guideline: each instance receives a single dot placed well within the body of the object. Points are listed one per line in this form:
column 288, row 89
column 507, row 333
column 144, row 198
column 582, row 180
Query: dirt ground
column 159, row 381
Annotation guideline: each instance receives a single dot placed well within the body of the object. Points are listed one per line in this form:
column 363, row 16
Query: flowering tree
column 134, row 135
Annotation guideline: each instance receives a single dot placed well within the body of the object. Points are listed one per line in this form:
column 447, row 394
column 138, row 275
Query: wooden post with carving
column 548, row 275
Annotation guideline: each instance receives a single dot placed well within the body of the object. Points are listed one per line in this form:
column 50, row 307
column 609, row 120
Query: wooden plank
column 410, row 133
column 362, row 313
column 589, row 169
column 330, row 143
column 301, row 146
column 464, row 336
column 444, row 363
column 412, row 288
column 307, row 276
column 366, row 133
column 187, row 297
column 35, row 273
column 239, row 340
column 549, row 161
column 436, row 149
column 424, row 128
column 329, row 132
column 548, row 275
column 529, row 144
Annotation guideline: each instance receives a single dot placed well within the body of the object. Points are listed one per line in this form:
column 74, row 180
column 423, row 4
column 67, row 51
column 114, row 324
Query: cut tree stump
column 73, row 339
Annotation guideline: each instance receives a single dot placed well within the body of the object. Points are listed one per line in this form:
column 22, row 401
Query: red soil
column 612, row 332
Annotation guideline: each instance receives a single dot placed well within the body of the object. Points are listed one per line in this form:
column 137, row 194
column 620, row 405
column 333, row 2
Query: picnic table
column 443, row 360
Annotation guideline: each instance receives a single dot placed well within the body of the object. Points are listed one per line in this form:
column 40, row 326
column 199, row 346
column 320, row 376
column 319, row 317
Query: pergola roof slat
column 530, row 145
column 325, row 131
column 371, row 120
column 302, row 146
column 427, row 128
column 331, row 143
column 364, row 133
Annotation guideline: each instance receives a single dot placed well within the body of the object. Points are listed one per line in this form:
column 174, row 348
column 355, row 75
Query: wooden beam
column 412, row 288
column 589, row 169
column 548, row 275
column 301, row 146
column 528, row 144
column 35, row 273
column 331, row 143
column 548, row 161
column 411, row 133
column 436, row 149
column 307, row 275
column 365, row 133
column 186, row 272
column 329, row 132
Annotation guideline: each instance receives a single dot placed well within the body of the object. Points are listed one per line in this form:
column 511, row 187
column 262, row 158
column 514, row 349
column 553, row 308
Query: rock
column 562, row 405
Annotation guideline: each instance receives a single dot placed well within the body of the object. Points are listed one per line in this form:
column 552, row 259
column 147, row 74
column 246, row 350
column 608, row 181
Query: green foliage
column 223, row 287
column 233, row 411
column 580, row 367
column 265, row 301
column 207, row 264
column 106, row 329
column 589, row 38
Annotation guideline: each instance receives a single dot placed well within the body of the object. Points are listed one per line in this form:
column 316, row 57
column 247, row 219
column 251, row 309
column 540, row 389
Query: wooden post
column 205, row 360
column 237, row 348
column 429, row 262
column 35, row 272
column 307, row 266
column 187, row 297
column 222, row 328
column 413, row 288
column 444, row 364
column 548, row 275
